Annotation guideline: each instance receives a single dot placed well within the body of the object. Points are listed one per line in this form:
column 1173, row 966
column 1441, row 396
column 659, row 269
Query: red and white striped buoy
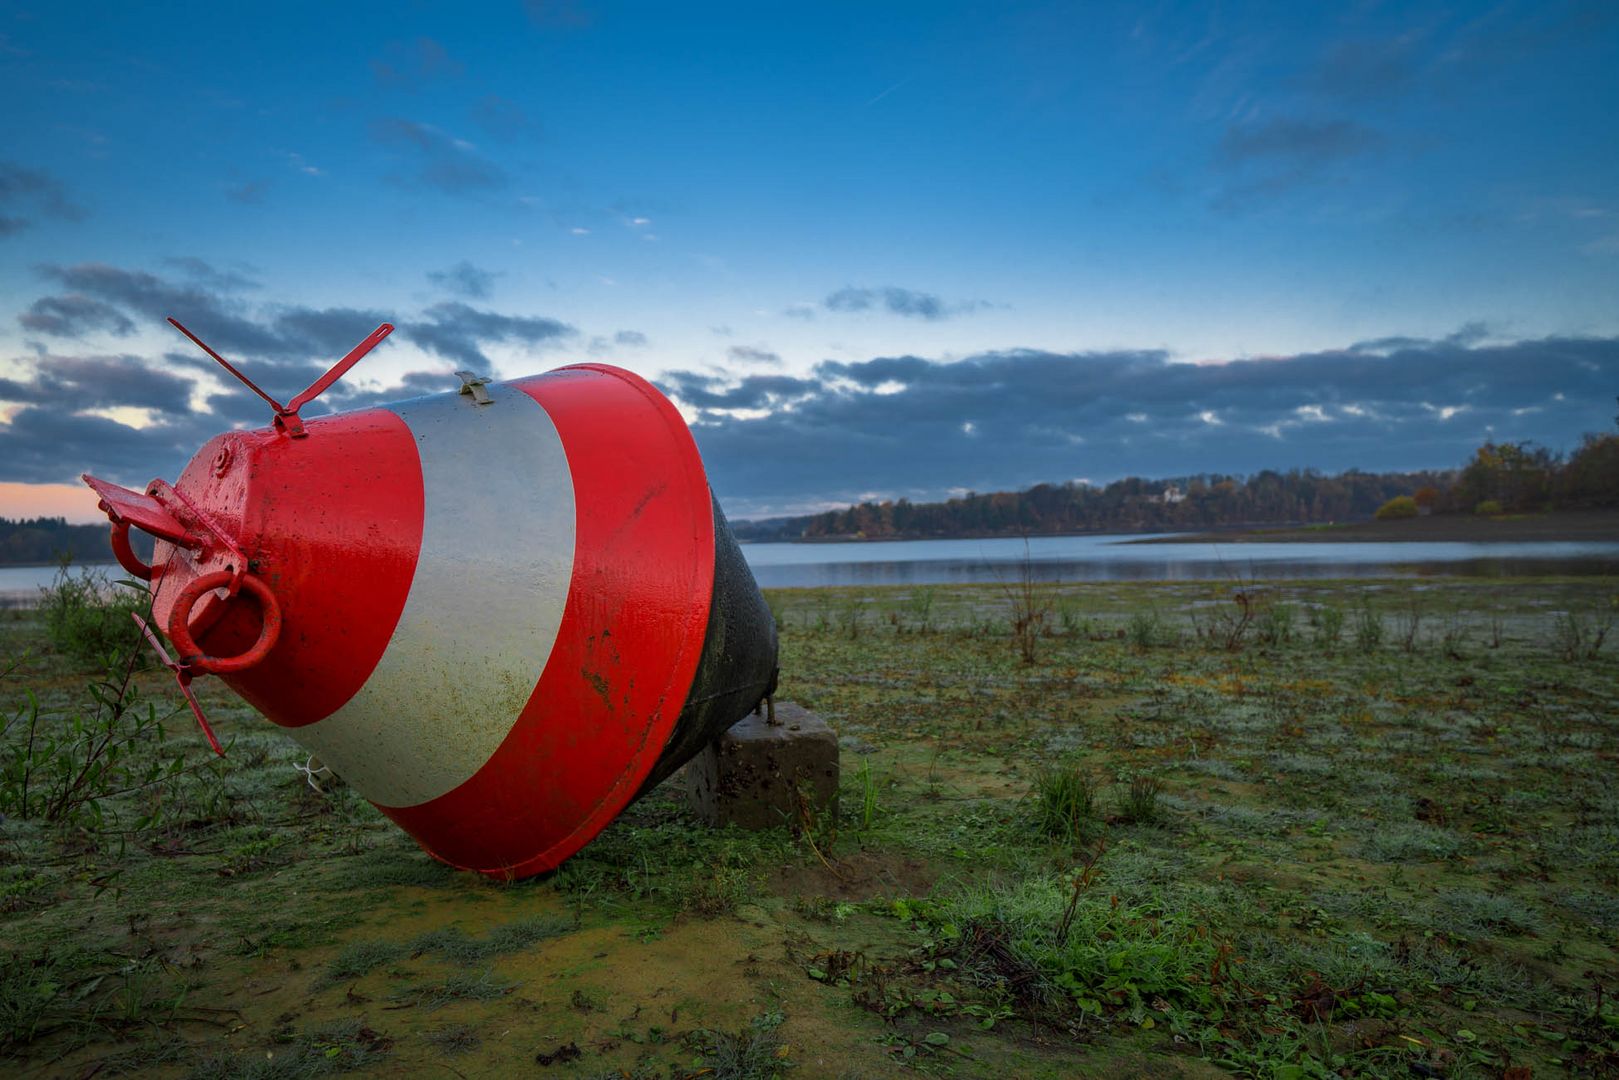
column 499, row 613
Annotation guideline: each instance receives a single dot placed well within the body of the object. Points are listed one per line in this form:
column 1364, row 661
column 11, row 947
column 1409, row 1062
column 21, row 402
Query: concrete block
column 753, row 774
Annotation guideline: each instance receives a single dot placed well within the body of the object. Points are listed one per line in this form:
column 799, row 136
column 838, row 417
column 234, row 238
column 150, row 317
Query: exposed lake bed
column 1367, row 828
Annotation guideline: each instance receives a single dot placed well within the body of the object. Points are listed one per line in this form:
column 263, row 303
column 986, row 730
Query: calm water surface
column 1095, row 558
column 20, row 585
column 1112, row 558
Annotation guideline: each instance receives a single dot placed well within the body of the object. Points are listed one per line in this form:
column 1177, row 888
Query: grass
column 1139, row 802
column 360, row 958
column 1331, row 829
column 1065, row 803
column 335, row 1048
column 457, row 986
column 756, row 1052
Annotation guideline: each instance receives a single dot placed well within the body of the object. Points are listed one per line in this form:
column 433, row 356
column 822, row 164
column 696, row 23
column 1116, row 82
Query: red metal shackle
column 193, row 657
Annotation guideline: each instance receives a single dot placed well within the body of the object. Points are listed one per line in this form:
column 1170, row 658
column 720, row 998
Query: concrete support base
column 760, row 775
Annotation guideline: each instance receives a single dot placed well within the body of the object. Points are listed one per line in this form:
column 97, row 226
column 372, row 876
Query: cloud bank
column 1001, row 420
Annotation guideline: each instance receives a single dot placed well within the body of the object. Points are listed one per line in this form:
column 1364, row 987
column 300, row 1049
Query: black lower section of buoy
column 738, row 666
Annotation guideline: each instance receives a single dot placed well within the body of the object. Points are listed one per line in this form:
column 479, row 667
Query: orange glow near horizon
column 75, row 502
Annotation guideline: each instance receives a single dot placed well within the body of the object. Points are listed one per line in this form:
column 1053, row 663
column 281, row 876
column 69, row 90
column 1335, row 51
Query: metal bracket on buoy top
column 476, row 385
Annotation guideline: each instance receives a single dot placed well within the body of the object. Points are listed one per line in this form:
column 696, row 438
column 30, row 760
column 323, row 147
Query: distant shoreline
column 1572, row 525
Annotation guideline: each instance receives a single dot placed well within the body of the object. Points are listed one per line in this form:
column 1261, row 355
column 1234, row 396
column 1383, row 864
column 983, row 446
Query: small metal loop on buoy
column 476, row 385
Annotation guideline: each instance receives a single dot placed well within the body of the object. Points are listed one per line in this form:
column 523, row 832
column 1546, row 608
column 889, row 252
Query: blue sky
column 1056, row 206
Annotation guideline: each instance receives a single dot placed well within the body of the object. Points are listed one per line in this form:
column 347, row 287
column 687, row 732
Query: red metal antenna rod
column 341, row 368
column 226, row 364
column 286, row 416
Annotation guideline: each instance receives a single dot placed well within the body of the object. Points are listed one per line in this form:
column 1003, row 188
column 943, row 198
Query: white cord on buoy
column 312, row 768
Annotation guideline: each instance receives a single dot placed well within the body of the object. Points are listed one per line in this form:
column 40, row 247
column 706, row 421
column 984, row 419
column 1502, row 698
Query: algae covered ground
column 1180, row 829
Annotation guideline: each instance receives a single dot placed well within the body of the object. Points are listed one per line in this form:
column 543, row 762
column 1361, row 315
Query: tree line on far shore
column 1500, row 478
column 45, row 540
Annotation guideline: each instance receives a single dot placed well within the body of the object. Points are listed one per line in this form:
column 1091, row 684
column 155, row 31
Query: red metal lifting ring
column 192, row 657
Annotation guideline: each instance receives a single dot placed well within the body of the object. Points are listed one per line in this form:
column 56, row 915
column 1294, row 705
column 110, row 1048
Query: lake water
column 20, row 585
column 1112, row 558
column 1095, row 558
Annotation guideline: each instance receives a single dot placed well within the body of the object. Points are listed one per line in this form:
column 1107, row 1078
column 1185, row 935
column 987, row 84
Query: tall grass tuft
column 1578, row 635
column 868, row 795
column 1065, row 804
column 1329, row 626
column 1276, row 624
column 1369, row 629
column 1138, row 802
column 1147, row 630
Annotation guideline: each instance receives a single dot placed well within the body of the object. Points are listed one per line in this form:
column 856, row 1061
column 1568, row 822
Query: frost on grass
column 1249, row 821
column 360, row 958
column 1220, row 770
column 1411, row 841
column 484, row 986
column 450, row 943
column 1597, row 908
column 457, row 946
column 1470, row 912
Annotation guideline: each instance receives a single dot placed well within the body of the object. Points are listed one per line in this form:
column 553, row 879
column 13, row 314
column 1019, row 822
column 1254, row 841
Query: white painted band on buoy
column 484, row 606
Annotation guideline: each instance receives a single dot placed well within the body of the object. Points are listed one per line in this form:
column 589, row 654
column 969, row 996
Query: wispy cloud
column 283, row 334
column 501, row 117
column 92, row 382
column 436, row 159
column 1259, row 158
column 1298, row 142
column 410, row 65
column 26, row 195
column 558, row 14
column 1368, row 69
column 717, row 394
column 74, row 315
column 298, row 162
column 458, row 331
column 747, row 354
column 247, row 192
column 464, row 279
column 209, row 276
column 908, row 303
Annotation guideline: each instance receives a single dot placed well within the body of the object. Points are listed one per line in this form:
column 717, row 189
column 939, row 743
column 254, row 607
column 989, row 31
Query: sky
column 871, row 250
